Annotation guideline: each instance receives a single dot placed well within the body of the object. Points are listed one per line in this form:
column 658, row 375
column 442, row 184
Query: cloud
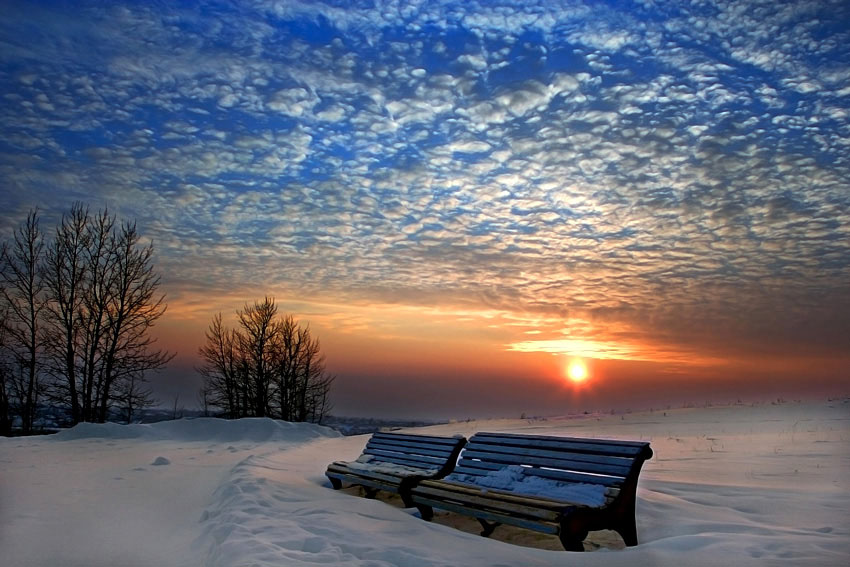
column 541, row 158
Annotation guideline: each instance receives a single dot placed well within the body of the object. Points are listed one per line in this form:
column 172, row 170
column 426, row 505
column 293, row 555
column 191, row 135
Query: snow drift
column 253, row 429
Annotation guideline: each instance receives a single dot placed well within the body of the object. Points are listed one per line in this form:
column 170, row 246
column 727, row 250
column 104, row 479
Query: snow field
column 739, row 485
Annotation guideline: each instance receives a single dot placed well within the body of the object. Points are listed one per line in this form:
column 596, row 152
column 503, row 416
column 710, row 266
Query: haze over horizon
column 462, row 197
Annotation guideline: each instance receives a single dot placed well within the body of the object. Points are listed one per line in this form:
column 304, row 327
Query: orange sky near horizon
column 407, row 361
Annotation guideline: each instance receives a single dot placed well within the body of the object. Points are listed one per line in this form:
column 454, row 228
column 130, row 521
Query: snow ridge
column 251, row 429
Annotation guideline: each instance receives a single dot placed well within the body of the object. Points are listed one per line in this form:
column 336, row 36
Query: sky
column 460, row 198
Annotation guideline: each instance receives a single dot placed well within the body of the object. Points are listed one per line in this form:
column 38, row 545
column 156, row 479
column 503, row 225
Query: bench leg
column 404, row 488
column 624, row 518
column 573, row 542
column 426, row 512
column 628, row 532
column 488, row 527
column 572, row 534
column 335, row 482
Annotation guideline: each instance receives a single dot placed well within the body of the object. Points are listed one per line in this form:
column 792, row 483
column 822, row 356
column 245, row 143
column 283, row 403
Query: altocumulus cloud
column 641, row 166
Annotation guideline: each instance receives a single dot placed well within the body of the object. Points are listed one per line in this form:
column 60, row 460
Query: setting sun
column 577, row 370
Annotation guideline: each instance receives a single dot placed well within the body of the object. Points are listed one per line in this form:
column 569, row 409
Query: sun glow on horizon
column 577, row 371
column 616, row 349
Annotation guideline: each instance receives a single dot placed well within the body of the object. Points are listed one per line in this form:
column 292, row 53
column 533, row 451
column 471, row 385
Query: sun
column 577, row 370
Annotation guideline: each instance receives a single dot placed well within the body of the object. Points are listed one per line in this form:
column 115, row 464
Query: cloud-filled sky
column 461, row 196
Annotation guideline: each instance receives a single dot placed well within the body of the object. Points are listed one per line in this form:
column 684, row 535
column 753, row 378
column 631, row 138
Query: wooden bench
column 558, row 485
column 395, row 462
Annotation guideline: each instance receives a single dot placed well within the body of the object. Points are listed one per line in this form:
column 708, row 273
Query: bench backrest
column 593, row 461
column 419, row 451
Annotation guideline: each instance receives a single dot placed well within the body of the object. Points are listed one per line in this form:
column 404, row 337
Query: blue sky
column 661, row 182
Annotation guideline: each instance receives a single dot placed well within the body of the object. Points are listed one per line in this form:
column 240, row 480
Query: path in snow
column 113, row 495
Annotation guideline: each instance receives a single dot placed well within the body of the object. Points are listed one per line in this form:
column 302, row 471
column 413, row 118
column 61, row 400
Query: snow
column 254, row 429
column 738, row 485
column 514, row 479
column 369, row 463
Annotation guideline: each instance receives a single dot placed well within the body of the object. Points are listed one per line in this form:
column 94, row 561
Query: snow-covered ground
column 739, row 485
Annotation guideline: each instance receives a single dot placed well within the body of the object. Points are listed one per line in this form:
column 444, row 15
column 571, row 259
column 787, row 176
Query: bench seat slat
column 383, row 467
column 368, row 480
column 491, row 516
column 392, row 487
column 491, row 502
column 361, row 473
column 475, row 490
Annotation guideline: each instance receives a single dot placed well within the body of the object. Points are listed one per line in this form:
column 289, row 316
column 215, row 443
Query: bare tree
column 81, row 309
column 5, row 375
column 133, row 395
column 67, row 278
column 220, row 369
column 300, row 373
column 93, row 313
column 133, row 307
column 269, row 366
column 288, row 346
column 315, row 383
column 24, row 300
column 256, row 338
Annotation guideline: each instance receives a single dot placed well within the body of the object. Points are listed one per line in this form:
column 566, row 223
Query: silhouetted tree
column 269, row 366
column 257, row 338
column 133, row 395
column 302, row 383
column 133, row 305
column 68, row 279
column 5, row 377
column 81, row 308
column 24, row 302
column 221, row 370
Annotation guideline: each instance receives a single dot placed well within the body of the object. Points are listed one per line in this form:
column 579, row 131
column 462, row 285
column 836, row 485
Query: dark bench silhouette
column 394, row 462
column 607, row 470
